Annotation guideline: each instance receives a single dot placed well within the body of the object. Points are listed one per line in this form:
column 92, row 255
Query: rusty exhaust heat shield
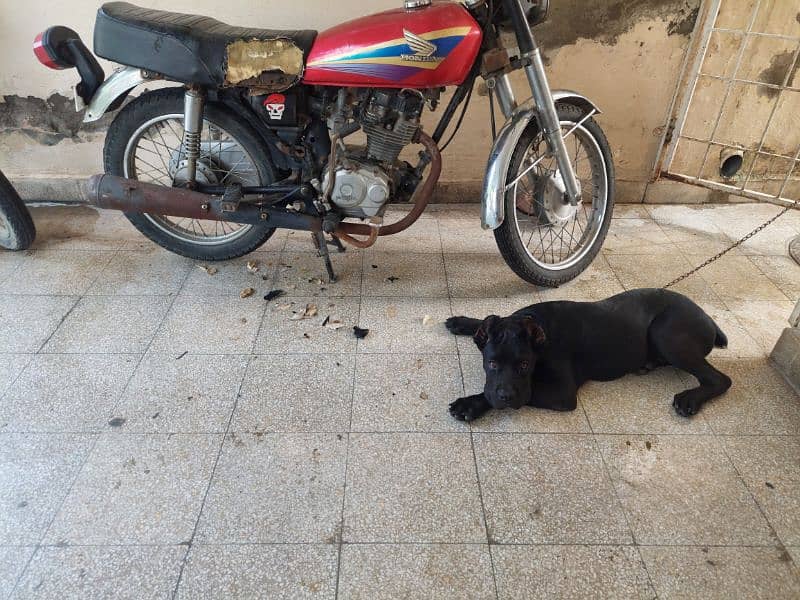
column 130, row 195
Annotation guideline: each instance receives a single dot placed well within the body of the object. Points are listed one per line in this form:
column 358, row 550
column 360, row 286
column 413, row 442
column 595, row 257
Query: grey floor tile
column 764, row 320
column 26, row 322
column 597, row 282
column 110, row 324
column 480, row 308
column 773, row 240
column 740, row 343
column 526, row 419
column 422, row 236
column 281, row 332
column 770, row 467
column 640, row 404
column 400, row 325
column 12, row 562
column 11, row 366
column 530, row 572
column 36, row 472
column 406, row 392
column 782, row 271
column 463, row 235
column 58, row 272
column 485, row 276
column 691, row 229
column 81, row 228
column 737, row 278
column 637, row 236
column 631, row 211
column 758, row 402
column 682, row 489
column 193, row 394
column 299, row 241
column 285, row 571
column 304, row 274
column 233, row 276
column 137, row 489
column 412, row 488
column 406, row 274
column 210, row 326
column 102, row 572
column 654, row 270
column 709, row 572
column 296, row 393
column 152, row 273
column 10, row 261
column 276, row 488
column 548, row 489
column 66, row 392
column 415, row 572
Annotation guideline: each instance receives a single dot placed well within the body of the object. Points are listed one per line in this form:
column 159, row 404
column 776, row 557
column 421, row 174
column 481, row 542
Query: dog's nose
column 503, row 397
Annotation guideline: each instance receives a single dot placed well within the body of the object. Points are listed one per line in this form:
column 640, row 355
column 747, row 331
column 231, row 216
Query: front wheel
column 544, row 240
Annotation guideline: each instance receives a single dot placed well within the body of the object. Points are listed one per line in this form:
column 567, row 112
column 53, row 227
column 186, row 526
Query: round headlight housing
column 536, row 11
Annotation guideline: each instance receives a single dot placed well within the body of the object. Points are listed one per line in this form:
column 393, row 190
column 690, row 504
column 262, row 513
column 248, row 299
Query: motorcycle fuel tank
column 426, row 47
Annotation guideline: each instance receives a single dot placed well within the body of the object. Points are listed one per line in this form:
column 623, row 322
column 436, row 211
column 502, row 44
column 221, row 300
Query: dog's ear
column 534, row 330
column 481, row 336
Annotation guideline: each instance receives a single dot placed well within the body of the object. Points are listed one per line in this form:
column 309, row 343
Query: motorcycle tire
column 17, row 230
column 158, row 107
column 536, row 211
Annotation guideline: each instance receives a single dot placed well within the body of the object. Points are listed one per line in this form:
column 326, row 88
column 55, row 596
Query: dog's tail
column 721, row 340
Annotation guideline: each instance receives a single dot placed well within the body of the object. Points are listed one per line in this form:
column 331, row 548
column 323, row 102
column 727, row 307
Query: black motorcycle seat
column 200, row 50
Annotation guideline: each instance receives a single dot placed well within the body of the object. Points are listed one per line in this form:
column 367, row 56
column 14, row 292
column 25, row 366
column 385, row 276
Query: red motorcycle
column 256, row 138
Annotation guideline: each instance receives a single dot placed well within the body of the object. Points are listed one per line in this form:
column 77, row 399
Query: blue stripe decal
column 444, row 46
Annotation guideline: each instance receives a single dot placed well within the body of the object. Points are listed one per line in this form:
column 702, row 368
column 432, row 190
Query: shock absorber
column 193, row 101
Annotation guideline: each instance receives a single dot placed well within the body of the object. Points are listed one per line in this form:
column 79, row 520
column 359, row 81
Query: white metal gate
column 736, row 120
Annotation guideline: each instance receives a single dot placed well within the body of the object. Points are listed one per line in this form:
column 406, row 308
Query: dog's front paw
column 469, row 408
column 686, row 403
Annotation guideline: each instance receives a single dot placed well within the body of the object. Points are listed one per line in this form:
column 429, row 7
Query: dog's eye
column 492, row 364
column 524, row 365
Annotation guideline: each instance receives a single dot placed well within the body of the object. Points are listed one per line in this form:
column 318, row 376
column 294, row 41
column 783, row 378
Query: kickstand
column 337, row 243
column 322, row 250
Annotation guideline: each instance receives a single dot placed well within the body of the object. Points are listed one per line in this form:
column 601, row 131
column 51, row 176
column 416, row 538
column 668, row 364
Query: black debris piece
column 274, row 294
column 359, row 332
column 325, row 322
column 117, row 422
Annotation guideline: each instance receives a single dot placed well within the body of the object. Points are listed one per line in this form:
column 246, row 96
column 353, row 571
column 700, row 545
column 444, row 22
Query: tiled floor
column 161, row 436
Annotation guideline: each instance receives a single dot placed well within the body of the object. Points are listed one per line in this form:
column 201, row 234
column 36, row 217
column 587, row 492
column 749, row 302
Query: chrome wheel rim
column 154, row 154
column 556, row 236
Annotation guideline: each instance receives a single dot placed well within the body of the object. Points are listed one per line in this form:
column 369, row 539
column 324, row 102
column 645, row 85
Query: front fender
column 118, row 85
column 492, row 198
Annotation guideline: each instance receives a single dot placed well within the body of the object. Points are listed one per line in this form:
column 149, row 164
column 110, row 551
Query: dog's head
column 510, row 348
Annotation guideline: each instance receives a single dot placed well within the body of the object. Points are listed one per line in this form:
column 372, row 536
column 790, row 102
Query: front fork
column 540, row 89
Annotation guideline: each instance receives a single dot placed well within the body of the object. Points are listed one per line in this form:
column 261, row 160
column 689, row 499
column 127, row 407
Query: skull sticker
column 275, row 105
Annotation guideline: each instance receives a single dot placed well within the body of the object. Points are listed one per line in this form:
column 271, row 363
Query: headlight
column 536, row 11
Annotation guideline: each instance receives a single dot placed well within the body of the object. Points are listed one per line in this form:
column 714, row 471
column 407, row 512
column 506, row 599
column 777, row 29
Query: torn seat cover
column 200, row 50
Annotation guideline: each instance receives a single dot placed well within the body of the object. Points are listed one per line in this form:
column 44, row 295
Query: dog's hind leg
column 685, row 349
column 463, row 325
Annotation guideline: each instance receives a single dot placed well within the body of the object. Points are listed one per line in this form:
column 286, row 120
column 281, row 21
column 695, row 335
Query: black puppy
column 542, row 354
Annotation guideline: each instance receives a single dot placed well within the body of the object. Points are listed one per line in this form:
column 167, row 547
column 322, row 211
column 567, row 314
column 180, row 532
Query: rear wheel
column 543, row 239
column 144, row 142
column 17, row 231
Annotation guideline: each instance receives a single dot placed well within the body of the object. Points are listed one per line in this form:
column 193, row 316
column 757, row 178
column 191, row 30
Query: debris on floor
column 247, row 292
column 310, row 310
column 208, row 269
column 359, row 332
column 274, row 294
column 252, row 266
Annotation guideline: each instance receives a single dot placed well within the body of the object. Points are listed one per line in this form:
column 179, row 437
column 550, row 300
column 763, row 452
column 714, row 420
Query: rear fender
column 113, row 91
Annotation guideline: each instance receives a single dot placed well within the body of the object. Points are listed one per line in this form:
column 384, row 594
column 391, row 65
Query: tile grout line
column 773, row 533
column 224, row 436
column 622, row 509
column 250, row 359
column 347, row 441
column 96, row 435
column 471, row 435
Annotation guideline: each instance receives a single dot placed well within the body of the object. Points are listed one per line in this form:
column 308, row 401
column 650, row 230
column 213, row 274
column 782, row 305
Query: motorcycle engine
column 365, row 181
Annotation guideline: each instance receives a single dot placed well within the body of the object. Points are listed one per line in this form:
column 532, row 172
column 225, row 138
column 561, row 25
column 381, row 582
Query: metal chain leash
column 729, row 248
